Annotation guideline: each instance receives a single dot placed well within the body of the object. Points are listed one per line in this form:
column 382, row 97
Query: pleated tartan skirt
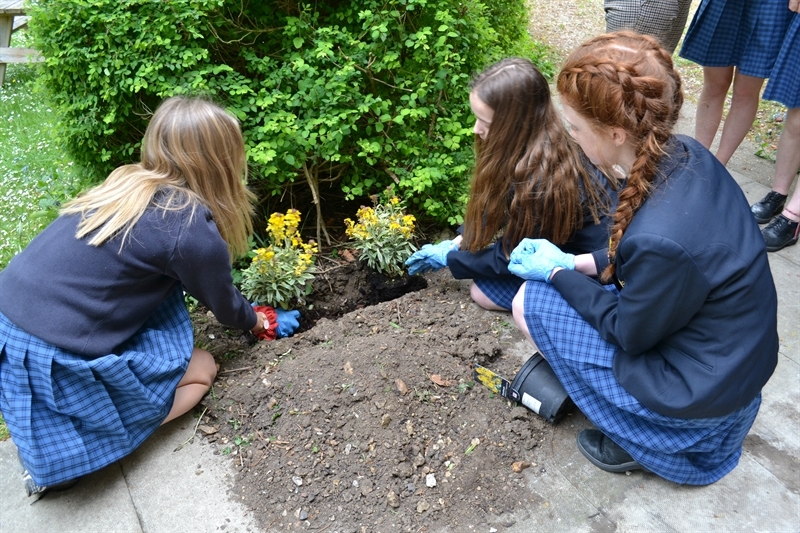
column 784, row 82
column 689, row 451
column 70, row 415
column 746, row 34
column 501, row 291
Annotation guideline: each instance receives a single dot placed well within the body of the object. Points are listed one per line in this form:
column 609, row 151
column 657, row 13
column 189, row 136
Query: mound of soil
column 372, row 422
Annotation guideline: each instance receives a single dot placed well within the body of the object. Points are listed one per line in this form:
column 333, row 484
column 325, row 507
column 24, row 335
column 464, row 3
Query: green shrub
column 359, row 93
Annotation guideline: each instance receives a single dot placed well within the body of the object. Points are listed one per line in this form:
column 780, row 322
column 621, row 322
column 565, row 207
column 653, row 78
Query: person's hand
column 430, row 257
column 288, row 322
column 535, row 259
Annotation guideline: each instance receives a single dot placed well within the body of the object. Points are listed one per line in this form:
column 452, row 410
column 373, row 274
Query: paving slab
column 100, row 502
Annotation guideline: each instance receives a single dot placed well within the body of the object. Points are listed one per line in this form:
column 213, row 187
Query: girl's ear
column 619, row 136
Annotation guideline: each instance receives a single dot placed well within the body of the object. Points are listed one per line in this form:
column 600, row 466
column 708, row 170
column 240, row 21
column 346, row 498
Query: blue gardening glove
column 288, row 322
column 430, row 257
column 535, row 259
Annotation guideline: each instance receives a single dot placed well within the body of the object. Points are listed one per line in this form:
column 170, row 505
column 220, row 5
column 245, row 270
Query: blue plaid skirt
column 70, row 415
column 691, row 451
column 743, row 33
column 784, row 82
column 501, row 291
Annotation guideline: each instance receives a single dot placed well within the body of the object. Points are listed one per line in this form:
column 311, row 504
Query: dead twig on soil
column 263, row 454
column 231, row 371
column 194, row 432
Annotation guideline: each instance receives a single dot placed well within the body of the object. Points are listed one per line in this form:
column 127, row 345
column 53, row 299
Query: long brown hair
column 193, row 152
column 626, row 80
column 528, row 169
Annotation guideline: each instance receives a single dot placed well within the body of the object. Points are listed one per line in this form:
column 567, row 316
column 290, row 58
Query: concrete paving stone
column 186, row 489
column 100, row 502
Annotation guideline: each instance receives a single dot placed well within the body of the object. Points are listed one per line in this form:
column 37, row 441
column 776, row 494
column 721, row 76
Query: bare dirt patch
column 372, row 422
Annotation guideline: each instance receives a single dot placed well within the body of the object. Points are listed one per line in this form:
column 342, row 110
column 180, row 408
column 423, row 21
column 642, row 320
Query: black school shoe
column 780, row 233
column 32, row 489
column 604, row 453
column 768, row 207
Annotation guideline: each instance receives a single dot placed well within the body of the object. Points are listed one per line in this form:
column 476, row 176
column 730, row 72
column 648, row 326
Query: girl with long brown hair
column 95, row 338
column 529, row 181
column 668, row 360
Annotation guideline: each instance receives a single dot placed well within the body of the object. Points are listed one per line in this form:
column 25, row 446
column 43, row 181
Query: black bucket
column 540, row 390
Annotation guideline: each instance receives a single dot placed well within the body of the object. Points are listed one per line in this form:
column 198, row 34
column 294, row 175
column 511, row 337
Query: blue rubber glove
column 535, row 259
column 288, row 322
column 430, row 257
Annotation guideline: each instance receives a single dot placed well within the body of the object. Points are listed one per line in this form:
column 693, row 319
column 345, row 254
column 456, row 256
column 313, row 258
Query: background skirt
column 784, row 82
column 501, row 291
column 663, row 19
column 692, row 451
column 743, row 33
column 70, row 415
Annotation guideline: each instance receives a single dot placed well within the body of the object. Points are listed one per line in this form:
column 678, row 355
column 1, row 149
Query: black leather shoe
column 604, row 453
column 768, row 207
column 780, row 233
column 32, row 489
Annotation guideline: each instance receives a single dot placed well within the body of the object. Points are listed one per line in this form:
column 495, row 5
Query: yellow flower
column 276, row 227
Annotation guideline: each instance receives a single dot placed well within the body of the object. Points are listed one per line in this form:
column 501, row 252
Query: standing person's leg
column 716, row 81
column 783, row 230
column 194, row 384
column 744, row 105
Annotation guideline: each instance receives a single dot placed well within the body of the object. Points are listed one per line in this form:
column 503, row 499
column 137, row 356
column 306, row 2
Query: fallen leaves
column 519, row 466
column 439, row 380
column 401, row 386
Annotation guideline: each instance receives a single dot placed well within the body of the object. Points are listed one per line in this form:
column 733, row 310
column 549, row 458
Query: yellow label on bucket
column 531, row 403
column 491, row 380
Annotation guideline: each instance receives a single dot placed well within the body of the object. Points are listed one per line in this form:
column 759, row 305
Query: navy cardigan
column 696, row 316
column 89, row 299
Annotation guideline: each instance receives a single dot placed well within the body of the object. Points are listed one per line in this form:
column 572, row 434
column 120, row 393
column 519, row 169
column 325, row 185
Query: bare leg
column 744, row 106
column 194, row 384
column 716, row 81
column 788, row 161
column 518, row 312
column 482, row 300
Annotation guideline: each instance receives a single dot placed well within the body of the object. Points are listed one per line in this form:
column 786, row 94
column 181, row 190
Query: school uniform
column 94, row 339
column 488, row 268
column 784, row 81
column 746, row 34
column 670, row 362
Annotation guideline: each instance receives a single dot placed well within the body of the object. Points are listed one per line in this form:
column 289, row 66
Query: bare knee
column 482, row 300
column 202, row 368
column 717, row 81
column 792, row 123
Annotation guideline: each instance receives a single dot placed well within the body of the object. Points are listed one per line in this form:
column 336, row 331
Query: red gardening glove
column 271, row 333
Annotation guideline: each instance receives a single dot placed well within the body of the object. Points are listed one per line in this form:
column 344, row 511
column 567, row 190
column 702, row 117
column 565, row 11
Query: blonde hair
column 625, row 80
column 192, row 153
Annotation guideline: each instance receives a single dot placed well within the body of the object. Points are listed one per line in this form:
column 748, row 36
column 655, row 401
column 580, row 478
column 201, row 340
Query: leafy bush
column 359, row 93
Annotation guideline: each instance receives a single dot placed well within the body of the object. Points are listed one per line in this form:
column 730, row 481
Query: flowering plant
column 285, row 268
column 382, row 235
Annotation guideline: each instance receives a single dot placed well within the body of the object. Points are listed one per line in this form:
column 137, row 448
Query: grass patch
column 4, row 434
column 35, row 173
column 767, row 128
column 36, row 176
